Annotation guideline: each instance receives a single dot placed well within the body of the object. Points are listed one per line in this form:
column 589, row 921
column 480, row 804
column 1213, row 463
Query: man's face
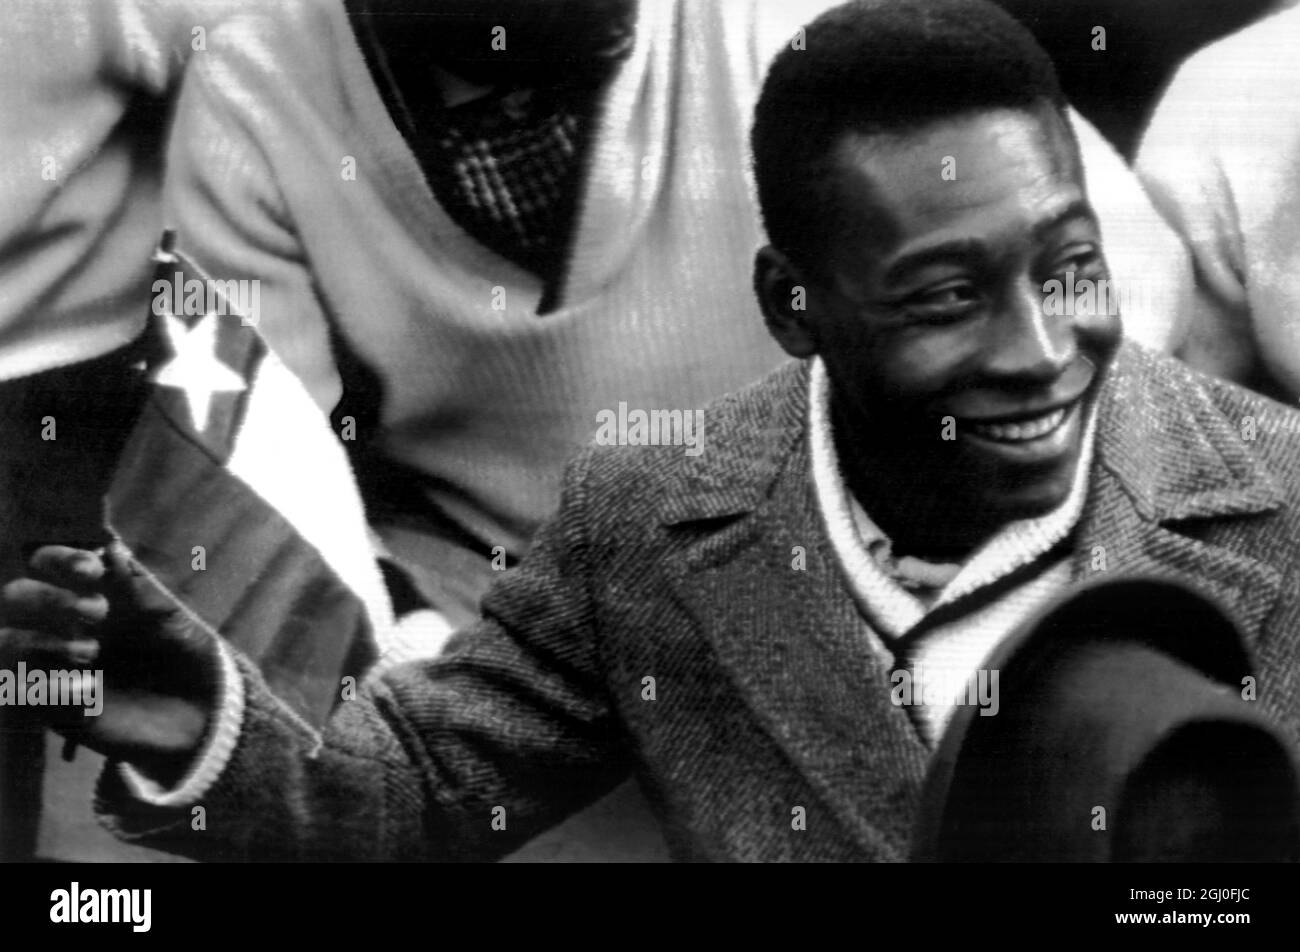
column 931, row 314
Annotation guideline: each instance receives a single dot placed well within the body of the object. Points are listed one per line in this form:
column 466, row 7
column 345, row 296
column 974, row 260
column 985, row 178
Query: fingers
column 22, row 644
column 75, row 569
column 31, row 603
column 48, row 613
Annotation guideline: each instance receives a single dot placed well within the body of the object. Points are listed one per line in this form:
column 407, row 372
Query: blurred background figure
column 1221, row 159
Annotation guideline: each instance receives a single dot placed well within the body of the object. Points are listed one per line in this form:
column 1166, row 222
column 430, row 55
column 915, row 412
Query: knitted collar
column 891, row 607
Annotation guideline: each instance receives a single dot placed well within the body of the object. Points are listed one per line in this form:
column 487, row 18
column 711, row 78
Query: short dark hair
column 880, row 66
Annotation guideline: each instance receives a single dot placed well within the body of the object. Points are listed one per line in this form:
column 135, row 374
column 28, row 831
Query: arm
column 513, row 716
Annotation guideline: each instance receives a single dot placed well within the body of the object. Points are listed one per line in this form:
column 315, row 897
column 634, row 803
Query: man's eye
column 1079, row 260
column 940, row 305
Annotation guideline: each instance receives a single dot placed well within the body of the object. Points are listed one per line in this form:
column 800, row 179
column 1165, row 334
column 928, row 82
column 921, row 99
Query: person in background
column 1221, row 160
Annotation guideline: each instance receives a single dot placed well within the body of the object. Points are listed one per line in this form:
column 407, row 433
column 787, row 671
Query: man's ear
column 783, row 296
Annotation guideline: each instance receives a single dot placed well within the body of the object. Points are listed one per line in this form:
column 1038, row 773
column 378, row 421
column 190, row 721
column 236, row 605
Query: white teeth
column 1022, row 431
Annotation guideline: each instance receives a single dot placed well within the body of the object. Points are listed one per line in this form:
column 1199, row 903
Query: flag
column 236, row 494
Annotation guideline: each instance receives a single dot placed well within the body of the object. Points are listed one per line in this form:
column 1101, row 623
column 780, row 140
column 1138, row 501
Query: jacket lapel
column 1168, row 462
column 791, row 637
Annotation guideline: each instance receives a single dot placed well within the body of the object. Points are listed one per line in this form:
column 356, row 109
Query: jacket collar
column 1168, row 459
column 751, row 436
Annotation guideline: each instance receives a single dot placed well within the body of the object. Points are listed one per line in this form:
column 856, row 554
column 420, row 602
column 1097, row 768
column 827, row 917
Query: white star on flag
column 194, row 368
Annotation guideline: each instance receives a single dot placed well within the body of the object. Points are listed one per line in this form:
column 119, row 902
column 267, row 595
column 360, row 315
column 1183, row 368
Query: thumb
column 140, row 601
column 120, row 563
column 131, row 587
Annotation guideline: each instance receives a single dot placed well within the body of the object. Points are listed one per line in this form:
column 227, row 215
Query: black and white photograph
column 651, row 431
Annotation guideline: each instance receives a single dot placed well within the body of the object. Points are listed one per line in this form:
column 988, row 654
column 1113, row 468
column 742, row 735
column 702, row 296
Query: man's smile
column 1041, row 433
column 1023, row 430
column 1041, row 439
column 1037, row 430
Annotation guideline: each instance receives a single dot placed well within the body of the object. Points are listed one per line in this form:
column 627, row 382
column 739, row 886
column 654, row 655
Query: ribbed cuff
column 212, row 758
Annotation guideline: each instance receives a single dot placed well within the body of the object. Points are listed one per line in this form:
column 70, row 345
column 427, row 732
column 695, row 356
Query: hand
column 77, row 610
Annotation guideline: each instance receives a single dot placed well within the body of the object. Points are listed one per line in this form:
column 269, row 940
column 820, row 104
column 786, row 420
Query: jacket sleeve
column 460, row 758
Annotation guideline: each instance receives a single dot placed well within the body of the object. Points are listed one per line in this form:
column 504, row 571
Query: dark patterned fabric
column 506, row 168
column 768, row 695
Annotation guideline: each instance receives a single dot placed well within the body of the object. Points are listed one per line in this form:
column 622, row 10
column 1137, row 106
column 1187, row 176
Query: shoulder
column 644, row 460
column 1270, row 428
column 1158, row 376
column 1189, row 406
column 286, row 50
column 1238, row 404
column 137, row 44
column 304, row 19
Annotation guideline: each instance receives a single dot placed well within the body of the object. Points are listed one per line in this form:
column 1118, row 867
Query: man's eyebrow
column 1079, row 208
column 958, row 249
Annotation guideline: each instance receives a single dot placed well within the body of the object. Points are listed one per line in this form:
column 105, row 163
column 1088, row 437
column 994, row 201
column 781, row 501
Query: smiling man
column 915, row 229
column 945, row 456
column 926, row 307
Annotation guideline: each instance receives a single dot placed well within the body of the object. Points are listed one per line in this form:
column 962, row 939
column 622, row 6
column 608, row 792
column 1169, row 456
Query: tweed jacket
column 767, row 730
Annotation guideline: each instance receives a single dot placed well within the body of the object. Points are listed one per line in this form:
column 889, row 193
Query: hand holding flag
column 159, row 663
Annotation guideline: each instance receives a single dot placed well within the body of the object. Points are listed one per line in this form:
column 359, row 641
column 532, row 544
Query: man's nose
column 1027, row 342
